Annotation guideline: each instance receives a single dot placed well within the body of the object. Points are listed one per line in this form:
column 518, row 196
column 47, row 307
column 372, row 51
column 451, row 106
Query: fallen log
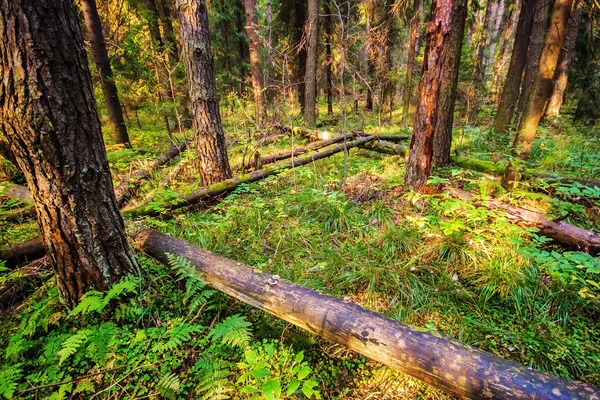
column 297, row 151
column 563, row 233
column 385, row 147
column 18, row 214
column 23, row 252
column 22, row 282
column 432, row 357
column 129, row 186
column 228, row 185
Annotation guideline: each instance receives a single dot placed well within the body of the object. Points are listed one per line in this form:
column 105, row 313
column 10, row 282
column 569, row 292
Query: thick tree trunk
column 561, row 76
column 312, row 58
column 534, row 52
column 111, row 95
column 328, row 23
column 260, row 111
column 52, row 124
column 512, row 83
column 443, row 128
column 542, row 87
column 432, row 357
column 414, row 30
column 211, row 150
column 441, row 22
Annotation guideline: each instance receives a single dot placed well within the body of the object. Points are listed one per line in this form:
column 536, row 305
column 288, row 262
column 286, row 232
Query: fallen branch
column 129, row 186
column 23, row 281
column 23, row 252
column 18, row 214
column 228, row 185
column 563, row 233
column 437, row 359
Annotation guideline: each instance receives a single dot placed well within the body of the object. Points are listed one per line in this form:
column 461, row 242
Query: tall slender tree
column 328, row 25
column 414, row 31
column 542, row 87
column 389, row 35
column 260, row 110
column 447, row 98
column 443, row 20
column 312, row 54
column 51, row 121
column 211, row 150
column 109, row 88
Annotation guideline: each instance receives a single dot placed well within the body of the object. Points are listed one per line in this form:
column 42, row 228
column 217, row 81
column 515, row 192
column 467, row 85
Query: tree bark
column 312, row 58
column 300, row 20
column 542, row 87
column 534, row 52
column 388, row 89
column 260, row 111
column 51, row 121
column 211, row 150
column 512, row 83
column 328, row 23
column 109, row 88
column 561, row 76
column 413, row 39
column 432, row 357
column 441, row 22
column 442, row 140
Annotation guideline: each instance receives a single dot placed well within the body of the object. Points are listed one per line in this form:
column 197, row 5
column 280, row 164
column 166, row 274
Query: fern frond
column 92, row 301
column 178, row 335
column 125, row 286
column 8, row 380
column 168, row 385
column 214, row 382
column 71, row 345
column 233, row 331
column 182, row 267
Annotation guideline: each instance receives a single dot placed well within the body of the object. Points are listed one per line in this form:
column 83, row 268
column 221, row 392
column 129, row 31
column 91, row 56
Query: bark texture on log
column 432, row 357
column 51, row 121
column 228, row 185
column 385, row 147
column 211, row 150
column 23, row 252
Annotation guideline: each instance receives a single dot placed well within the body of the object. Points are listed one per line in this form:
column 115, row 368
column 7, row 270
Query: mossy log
column 23, row 252
column 228, row 185
column 563, row 233
column 432, row 357
column 257, row 164
column 385, row 147
column 130, row 185
column 316, row 135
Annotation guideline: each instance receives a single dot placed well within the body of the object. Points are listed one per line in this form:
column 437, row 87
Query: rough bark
column 109, row 88
column 542, row 87
column 385, row 147
column 51, row 121
column 439, row 360
column 442, row 140
column 413, row 38
column 312, row 56
column 534, row 52
column 211, row 150
column 226, row 186
column 437, row 43
column 260, row 111
column 512, row 83
column 561, row 76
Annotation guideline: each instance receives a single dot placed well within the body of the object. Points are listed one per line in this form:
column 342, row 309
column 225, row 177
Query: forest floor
column 345, row 226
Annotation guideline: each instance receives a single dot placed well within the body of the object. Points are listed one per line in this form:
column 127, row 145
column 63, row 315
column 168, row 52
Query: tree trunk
column 242, row 45
column 387, row 91
column 443, row 128
column 211, row 150
column 165, row 14
column 299, row 24
column 502, row 58
column 329, row 57
column 52, row 124
column 432, row 357
column 512, row 83
column 270, row 81
column 312, row 58
column 413, row 38
column 534, row 51
column 561, row 76
column 260, row 111
column 442, row 21
column 109, row 89
column 478, row 62
column 542, row 87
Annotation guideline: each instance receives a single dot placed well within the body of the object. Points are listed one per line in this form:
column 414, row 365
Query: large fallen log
column 256, row 164
column 23, row 252
column 385, row 147
column 130, row 185
column 437, row 359
column 561, row 232
column 228, row 185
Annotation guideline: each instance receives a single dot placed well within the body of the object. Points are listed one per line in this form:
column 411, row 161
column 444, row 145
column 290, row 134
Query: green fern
column 8, row 380
column 71, row 345
column 233, row 331
column 213, row 375
column 95, row 301
column 182, row 267
column 177, row 335
column 168, row 385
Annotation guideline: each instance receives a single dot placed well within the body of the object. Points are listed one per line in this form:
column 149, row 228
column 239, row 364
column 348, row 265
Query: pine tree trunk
column 242, row 46
column 447, row 98
column 260, row 111
column 542, row 87
column 387, row 91
column 413, row 39
column 312, row 53
column 299, row 24
column 270, row 81
column 211, row 149
column 561, row 76
column 111, row 95
column 51, row 121
column 165, row 14
column 536, row 45
column 502, row 58
column 512, row 83
column 442, row 21
column 328, row 23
